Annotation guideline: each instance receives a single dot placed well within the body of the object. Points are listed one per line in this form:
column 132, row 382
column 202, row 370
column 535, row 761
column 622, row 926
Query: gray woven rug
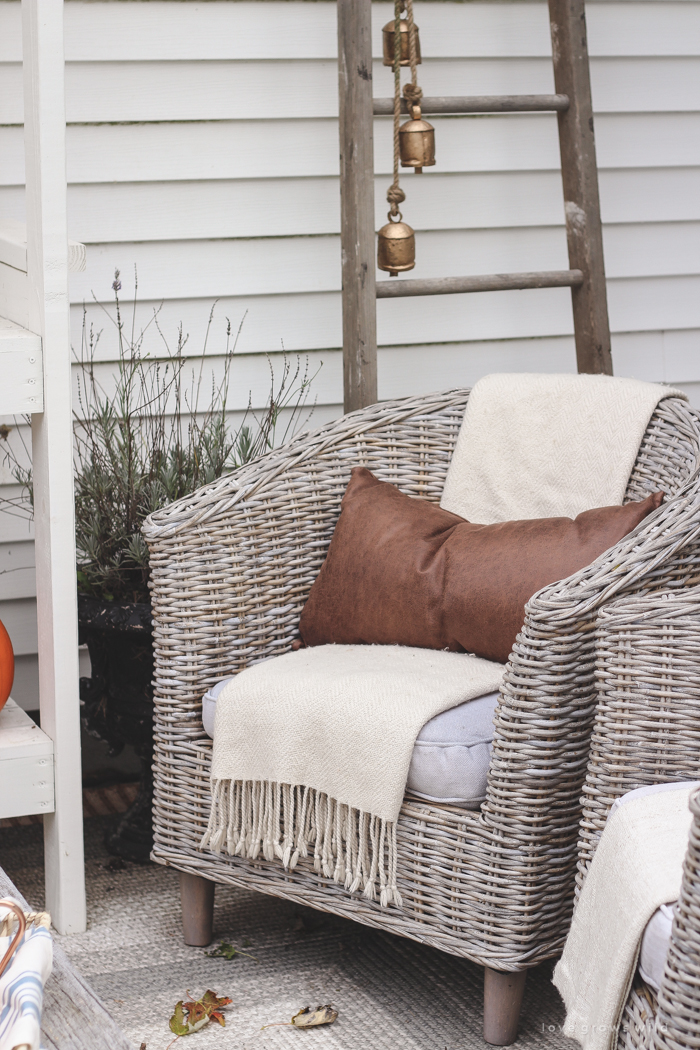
column 389, row 992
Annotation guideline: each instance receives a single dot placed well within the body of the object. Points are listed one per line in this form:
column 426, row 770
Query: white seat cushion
column 451, row 756
column 655, row 945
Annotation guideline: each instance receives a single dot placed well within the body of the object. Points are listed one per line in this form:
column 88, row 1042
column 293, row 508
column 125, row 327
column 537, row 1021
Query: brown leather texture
column 402, row 571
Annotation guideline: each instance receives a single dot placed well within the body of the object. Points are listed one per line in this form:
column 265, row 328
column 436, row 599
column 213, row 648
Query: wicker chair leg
column 197, row 898
column 503, row 997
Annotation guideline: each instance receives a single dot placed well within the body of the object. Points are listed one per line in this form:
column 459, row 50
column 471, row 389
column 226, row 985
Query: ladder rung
column 488, row 282
column 479, row 104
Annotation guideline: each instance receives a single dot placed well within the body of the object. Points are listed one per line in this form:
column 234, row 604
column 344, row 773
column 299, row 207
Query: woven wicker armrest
column 647, row 721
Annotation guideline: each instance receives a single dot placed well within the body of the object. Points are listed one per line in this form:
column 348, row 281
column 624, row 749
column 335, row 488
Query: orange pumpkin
column 7, row 665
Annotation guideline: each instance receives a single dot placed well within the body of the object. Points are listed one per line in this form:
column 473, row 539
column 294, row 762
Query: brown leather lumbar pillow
column 401, row 571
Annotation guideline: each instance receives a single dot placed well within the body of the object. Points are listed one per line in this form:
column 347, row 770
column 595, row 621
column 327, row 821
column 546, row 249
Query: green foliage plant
column 161, row 431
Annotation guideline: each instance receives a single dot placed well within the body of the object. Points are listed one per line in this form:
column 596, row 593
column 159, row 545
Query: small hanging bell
column 388, row 41
column 417, row 142
column 396, row 250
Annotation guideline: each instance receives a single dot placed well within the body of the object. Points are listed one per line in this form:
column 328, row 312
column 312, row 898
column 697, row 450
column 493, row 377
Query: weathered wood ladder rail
column 571, row 103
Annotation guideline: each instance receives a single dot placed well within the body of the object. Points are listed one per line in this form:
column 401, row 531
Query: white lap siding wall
column 203, row 149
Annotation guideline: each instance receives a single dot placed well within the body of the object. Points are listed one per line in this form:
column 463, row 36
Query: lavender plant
column 161, row 432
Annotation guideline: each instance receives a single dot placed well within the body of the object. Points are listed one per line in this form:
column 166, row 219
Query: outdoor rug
column 389, row 992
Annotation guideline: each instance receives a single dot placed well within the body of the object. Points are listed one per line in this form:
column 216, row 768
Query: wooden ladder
column 571, row 103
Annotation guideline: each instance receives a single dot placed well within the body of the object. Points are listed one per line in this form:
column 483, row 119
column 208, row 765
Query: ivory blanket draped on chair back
column 540, row 446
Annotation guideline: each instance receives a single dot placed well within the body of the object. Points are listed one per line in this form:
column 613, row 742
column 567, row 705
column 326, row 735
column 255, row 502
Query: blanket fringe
column 287, row 821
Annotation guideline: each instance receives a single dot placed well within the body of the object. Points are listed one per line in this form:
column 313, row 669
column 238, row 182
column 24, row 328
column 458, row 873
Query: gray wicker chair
column 647, row 731
column 231, row 568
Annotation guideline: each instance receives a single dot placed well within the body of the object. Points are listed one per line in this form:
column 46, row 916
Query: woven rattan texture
column 638, row 1019
column 231, row 568
column 647, row 723
column 647, row 731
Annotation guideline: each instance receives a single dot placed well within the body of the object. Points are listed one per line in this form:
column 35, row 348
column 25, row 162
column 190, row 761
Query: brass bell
column 388, row 41
column 397, row 247
column 417, row 142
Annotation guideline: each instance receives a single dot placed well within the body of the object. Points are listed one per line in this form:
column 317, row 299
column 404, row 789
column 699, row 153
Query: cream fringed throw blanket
column 312, row 749
column 541, row 446
column 636, row 868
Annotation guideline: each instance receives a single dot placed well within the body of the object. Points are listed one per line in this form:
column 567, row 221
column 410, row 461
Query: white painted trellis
column 35, row 368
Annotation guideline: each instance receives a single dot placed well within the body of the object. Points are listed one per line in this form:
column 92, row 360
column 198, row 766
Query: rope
column 411, row 92
column 395, row 195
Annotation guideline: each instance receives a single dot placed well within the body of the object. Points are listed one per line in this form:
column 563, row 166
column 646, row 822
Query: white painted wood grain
column 477, row 29
column 20, row 737
column 15, row 528
column 654, row 356
column 312, row 322
column 25, row 688
column 144, row 211
column 22, row 387
column 19, row 617
column 97, row 31
column 180, row 269
column 17, row 570
column 52, row 453
column 269, row 149
column 176, row 91
column 26, row 765
column 14, row 296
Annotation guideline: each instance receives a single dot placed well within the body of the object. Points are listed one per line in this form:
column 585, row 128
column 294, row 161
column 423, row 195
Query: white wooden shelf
column 22, row 387
column 26, row 765
column 13, row 248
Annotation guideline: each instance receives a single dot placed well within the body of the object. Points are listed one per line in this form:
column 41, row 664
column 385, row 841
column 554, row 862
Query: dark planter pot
column 117, row 704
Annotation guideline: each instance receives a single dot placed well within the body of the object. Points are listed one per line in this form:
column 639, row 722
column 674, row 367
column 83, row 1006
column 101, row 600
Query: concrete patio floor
column 389, row 992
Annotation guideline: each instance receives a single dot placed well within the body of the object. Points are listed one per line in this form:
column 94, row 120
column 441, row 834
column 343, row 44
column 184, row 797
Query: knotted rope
column 395, row 195
column 411, row 92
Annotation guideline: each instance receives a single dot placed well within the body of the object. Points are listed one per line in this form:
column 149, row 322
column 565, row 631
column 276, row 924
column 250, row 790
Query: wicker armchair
column 647, row 731
column 231, row 568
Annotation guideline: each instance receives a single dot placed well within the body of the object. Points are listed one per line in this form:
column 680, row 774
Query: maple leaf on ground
column 194, row 1014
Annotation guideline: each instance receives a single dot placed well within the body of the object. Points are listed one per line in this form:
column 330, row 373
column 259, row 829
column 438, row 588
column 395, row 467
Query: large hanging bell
column 417, row 142
column 388, row 41
column 396, row 249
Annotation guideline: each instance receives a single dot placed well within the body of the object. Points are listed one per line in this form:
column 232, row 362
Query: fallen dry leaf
column 307, row 1018
column 190, row 1016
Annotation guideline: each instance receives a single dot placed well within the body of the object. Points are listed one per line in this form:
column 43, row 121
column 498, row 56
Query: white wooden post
column 52, row 452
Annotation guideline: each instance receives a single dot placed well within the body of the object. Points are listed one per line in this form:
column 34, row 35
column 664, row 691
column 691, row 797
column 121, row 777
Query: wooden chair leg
column 503, row 997
column 197, row 898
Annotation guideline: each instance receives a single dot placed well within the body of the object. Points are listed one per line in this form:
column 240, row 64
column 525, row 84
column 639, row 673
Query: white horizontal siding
column 177, row 91
column 143, row 211
column 203, row 149
column 17, row 570
column 276, row 148
column 243, row 31
column 283, row 265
